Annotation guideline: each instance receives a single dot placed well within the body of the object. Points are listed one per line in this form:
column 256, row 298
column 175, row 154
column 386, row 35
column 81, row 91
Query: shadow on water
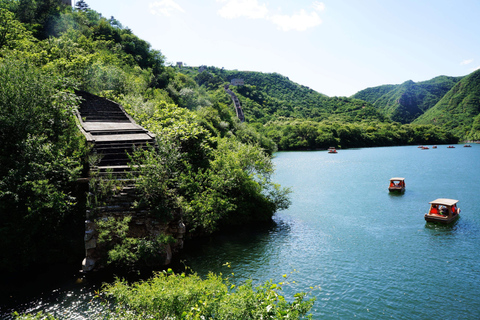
column 396, row 194
column 28, row 292
column 438, row 228
column 243, row 247
column 459, row 227
column 65, row 291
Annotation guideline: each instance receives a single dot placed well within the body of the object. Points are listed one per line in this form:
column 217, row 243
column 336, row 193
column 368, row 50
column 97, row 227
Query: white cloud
column 465, row 62
column 300, row 21
column 252, row 9
column 165, row 7
column 318, row 6
column 243, row 8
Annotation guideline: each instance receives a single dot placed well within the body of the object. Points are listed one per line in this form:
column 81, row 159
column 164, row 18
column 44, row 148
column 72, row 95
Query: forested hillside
column 296, row 117
column 407, row 101
column 268, row 96
column 459, row 109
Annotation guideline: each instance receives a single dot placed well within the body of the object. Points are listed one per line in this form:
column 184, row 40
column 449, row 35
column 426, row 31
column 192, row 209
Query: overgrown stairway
column 112, row 133
column 236, row 103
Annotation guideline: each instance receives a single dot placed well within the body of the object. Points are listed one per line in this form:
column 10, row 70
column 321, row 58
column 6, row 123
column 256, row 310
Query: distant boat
column 332, row 150
column 424, row 148
column 397, row 185
column 450, row 147
column 434, row 147
column 443, row 211
column 420, row 147
column 467, row 146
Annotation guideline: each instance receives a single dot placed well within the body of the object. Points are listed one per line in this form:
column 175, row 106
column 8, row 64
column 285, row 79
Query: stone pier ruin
column 112, row 134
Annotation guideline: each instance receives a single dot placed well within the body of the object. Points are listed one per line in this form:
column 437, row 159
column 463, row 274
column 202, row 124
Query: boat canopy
column 444, row 202
column 397, row 179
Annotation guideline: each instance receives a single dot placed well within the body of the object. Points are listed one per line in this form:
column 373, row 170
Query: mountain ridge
column 459, row 109
column 407, row 101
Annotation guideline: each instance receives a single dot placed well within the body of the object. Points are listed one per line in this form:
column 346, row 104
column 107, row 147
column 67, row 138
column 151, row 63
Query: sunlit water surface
column 371, row 253
column 367, row 253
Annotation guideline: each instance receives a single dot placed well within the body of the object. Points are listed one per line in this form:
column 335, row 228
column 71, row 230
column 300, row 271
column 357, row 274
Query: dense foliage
column 407, row 101
column 186, row 296
column 40, row 157
column 215, row 171
column 268, row 96
column 303, row 134
column 212, row 180
column 180, row 296
column 459, row 109
column 298, row 118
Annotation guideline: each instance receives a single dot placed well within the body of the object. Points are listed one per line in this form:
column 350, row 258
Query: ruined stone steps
column 113, row 135
column 236, row 103
column 107, row 117
column 115, row 155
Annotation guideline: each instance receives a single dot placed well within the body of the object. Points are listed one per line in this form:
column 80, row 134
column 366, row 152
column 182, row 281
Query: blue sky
column 336, row 47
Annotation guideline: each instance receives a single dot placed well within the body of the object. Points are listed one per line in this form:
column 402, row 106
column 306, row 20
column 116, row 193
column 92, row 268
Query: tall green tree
column 40, row 151
column 12, row 32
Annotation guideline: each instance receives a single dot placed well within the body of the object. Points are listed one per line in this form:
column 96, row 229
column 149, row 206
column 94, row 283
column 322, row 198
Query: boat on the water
column 397, row 185
column 424, row 148
column 450, row 147
column 467, row 146
column 332, row 150
column 443, row 211
column 434, row 147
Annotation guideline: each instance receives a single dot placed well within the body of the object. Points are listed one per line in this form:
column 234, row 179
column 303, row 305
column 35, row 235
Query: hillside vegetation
column 210, row 169
column 295, row 117
column 459, row 109
column 407, row 101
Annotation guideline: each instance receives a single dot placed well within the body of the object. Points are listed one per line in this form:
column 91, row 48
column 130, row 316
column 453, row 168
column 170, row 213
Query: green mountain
column 407, row 101
column 269, row 96
column 459, row 109
column 296, row 117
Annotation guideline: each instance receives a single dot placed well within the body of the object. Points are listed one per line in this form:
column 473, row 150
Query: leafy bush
column 179, row 296
column 40, row 156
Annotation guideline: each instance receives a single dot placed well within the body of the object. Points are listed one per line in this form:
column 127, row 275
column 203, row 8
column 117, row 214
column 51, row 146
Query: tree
column 40, row 150
column 81, row 5
column 12, row 31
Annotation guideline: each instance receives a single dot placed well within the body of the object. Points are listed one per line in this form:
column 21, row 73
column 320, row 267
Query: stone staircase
column 97, row 109
column 236, row 103
column 112, row 132
column 113, row 135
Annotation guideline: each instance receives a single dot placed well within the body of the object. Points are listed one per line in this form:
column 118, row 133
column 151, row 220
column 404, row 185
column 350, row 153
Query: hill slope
column 459, row 109
column 407, row 101
column 268, row 96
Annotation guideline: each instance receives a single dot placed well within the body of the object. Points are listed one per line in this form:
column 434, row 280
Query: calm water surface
column 370, row 253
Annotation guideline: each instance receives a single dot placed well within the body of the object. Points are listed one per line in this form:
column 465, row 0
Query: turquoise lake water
column 371, row 253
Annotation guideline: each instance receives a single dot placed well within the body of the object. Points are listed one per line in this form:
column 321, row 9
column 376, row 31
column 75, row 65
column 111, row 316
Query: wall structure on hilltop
column 236, row 103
